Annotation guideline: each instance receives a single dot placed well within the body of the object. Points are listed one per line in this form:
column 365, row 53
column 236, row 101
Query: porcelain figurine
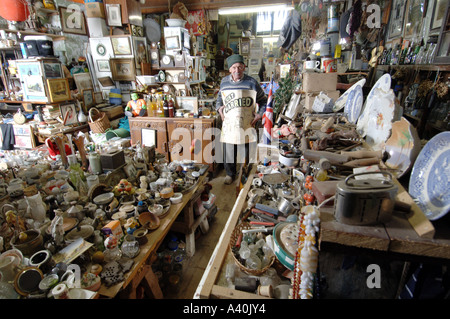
column 131, row 225
column 124, row 187
column 56, row 227
column 136, row 106
column 144, row 182
column 36, row 208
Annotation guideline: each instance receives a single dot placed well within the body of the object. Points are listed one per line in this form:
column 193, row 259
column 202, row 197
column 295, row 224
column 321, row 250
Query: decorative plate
column 354, row 104
column 101, row 50
column 383, row 84
column 341, row 101
column 152, row 30
column 429, row 183
column 403, row 147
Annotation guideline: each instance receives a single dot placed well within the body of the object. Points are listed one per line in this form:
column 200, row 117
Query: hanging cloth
column 291, row 30
column 8, row 136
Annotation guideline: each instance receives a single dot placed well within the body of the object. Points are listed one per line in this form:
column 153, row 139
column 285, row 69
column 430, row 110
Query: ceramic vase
column 81, row 117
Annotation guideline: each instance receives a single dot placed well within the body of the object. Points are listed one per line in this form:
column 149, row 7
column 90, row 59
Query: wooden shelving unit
column 55, row 37
column 421, row 67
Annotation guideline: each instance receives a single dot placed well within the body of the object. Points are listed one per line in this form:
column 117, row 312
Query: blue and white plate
column 341, row 101
column 429, row 183
column 354, row 104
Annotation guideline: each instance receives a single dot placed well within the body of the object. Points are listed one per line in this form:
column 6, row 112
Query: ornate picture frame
column 395, row 27
column 73, row 21
column 123, row 69
column 58, row 90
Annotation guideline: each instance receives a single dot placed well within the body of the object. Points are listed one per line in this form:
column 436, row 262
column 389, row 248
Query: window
column 270, row 23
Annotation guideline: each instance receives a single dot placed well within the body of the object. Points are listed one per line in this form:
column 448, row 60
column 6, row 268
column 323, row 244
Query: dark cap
column 235, row 58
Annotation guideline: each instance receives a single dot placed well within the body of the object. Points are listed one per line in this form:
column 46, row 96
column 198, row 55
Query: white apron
column 239, row 108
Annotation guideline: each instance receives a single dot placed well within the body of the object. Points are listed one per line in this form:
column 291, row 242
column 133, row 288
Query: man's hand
column 256, row 119
column 220, row 110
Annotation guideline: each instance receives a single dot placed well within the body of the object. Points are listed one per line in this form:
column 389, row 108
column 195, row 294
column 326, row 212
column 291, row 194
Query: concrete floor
column 205, row 244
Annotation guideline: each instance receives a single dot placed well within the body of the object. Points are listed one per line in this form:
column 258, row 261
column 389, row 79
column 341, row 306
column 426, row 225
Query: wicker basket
column 234, row 237
column 98, row 122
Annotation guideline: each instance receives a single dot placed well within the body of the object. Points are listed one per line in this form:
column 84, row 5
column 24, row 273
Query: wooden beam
column 162, row 6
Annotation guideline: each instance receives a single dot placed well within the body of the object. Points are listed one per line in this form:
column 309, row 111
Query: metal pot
column 285, row 206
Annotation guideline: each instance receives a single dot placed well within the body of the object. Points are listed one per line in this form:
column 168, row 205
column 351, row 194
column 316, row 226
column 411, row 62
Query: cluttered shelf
column 55, row 37
column 421, row 67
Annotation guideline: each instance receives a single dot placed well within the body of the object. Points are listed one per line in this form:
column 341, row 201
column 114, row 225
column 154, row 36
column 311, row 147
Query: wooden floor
column 205, row 244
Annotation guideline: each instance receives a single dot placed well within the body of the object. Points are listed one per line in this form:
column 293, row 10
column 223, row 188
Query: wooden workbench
column 411, row 234
column 210, row 285
column 404, row 236
column 141, row 272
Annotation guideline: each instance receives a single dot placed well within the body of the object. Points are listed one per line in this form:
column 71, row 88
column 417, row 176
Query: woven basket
column 237, row 232
column 98, row 122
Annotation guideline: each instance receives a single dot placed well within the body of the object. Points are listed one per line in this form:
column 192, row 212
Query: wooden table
column 404, row 235
column 141, row 272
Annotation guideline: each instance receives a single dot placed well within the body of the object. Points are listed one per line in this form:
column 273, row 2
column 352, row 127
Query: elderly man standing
column 241, row 102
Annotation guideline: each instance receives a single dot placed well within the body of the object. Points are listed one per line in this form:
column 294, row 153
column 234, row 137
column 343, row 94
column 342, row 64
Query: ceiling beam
column 162, row 6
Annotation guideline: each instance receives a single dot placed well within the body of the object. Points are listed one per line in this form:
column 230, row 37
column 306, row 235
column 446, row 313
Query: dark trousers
column 230, row 158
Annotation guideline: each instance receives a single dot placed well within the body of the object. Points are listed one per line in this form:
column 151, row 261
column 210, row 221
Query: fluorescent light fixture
column 239, row 10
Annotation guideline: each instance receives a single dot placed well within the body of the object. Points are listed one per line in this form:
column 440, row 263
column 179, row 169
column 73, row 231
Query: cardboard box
column 310, row 97
column 113, row 228
column 97, row 27
column 316, row 82
column 95, row 10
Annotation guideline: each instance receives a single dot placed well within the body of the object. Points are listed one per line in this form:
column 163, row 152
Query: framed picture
column 140, row 51
column 442, row 55
column 24, row 136
column 106, row 81
column 188, row 103
column 69, row 113
column 101, row 48
column 98, row 97
column 130, row 170
column 53, row 70
column 103, row 66
column 244, row 46
column 34, row 89
column 395, row 28
column 121, row 45
column 31, row 68
column 148, row 137
column 88, row 98
column 72, row 21
column 413, row 18
column 114, row 15
column 123, row 69
column 58, row 90
column 173, row 43
column 83, row 81
column 438, row 15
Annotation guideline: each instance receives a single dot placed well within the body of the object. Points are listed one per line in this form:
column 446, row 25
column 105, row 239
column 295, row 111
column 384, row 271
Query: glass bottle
column 166, row 106
column 431, row 51
column 171, row 108
column 160, row 110
column 153, row 106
